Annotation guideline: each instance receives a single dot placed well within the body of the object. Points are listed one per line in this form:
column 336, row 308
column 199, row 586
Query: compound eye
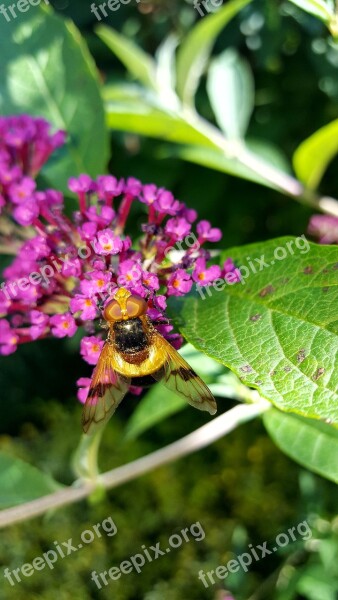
column 112, row 312
column 136, row 306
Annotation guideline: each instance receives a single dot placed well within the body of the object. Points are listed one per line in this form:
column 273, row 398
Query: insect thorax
column 130, row 336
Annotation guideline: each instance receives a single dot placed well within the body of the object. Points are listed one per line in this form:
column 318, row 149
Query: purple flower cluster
column 65, row 270
column 25, row 146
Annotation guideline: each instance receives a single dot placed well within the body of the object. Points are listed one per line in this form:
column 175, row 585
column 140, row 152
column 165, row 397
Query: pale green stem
column 214, row 430
column 85, row 459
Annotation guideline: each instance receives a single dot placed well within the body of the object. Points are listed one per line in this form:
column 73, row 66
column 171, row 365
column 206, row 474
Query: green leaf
column 21, row 482
column 316, row 583
column 277, row 330
column 203, row 365
column 323, row 10
column 47, row 71
column 310, row 443
column 160, row 403
column 196, row 48
column 166, row 72
column 139, row 63
column 129, row 108
column 143, row 119
column 319, row 8
column 124, row 94
column 314, row 154
column 231, row 93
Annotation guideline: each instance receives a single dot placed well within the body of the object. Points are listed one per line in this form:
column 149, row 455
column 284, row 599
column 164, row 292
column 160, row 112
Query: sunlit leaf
column 166, row 72
column 231, row 92
column 314, row 154
column 324, row 10
column 319, row 8
column 196, row 48
column 139, row 63
column 143, row 119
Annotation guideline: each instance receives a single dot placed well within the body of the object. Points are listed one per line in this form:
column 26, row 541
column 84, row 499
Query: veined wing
column 106, row 391
column 177, row 375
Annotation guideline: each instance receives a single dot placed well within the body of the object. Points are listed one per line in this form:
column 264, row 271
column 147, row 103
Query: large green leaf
column 138, row 62
column 312, row 444
column 46, row 70
column 314, row 154
column 196, row 47
column 21, row 482
column 278, row 328
column 231, row 92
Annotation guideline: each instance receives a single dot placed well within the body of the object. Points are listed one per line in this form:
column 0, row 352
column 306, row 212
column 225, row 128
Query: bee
column 135, row 353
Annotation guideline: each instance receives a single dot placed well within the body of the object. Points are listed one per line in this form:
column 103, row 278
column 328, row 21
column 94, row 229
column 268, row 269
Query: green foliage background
column 242, row 489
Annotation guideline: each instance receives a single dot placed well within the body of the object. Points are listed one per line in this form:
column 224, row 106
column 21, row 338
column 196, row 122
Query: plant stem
column 85, row 458
column 200, row 438
column 236, row 150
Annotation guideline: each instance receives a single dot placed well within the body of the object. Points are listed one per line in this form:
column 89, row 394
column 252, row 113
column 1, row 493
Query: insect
column 136, row 353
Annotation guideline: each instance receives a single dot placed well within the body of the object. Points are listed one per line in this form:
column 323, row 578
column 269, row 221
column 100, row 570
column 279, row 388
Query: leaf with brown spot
column 268, row 290
column 318, row 373
column 255, row 318
column 247, row 369
column 301, row 356
column 297, row 328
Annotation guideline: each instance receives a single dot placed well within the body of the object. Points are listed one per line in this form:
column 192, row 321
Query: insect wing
column 106, row 391
column 177, row 375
